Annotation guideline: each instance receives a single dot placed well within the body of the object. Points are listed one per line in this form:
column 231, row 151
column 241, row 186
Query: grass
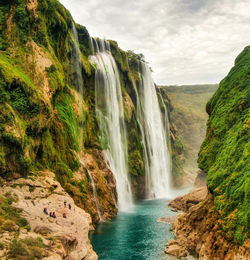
column 10, row 219
column 27, row 249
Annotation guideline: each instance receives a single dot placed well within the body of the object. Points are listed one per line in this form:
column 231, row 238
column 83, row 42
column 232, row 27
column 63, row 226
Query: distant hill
column 193, row 89
column 190, row 117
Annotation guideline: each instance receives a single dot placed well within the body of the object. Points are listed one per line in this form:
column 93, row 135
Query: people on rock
column 53, row 214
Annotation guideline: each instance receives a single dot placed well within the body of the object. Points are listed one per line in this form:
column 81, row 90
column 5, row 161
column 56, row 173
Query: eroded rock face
column 189, row 200
column 105, row 183
column 197, row 232
column 63, row 237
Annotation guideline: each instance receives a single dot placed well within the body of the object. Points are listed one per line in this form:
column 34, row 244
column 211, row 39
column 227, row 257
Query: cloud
column 184, row 41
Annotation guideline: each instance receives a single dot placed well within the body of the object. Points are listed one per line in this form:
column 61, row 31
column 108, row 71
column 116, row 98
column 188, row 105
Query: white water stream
column 156, row 153
column 76, row 61
column 94, row 191
column 110, row 117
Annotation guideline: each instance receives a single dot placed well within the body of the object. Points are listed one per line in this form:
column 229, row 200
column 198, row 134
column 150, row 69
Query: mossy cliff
column 218, row 227
column 224, row 154
column 45, row 123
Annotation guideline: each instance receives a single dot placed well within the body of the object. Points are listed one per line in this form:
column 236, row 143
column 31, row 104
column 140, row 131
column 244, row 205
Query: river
column 136, row 234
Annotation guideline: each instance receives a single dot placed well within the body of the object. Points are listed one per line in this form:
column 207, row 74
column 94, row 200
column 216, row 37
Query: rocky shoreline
column 198, row 232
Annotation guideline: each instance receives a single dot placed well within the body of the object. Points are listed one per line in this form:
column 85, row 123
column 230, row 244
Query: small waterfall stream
column 94, row 190
column 157, row 156
column 110, row 117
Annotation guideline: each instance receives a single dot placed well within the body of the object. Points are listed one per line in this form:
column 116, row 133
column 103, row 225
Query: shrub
column 21, row 18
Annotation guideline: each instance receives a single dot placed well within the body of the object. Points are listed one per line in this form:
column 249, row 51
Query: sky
column 184, row 41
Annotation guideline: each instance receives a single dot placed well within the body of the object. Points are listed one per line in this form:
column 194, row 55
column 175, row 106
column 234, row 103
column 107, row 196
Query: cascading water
column 166, row 124
column 76, row 61
column 94, row 191
column 156, row 153
column 77, row 65
column 110, row 117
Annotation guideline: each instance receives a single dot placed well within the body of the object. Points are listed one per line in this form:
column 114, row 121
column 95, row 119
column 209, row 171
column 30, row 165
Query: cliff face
column 45, row 122
column 224, row 154
column 218, row 227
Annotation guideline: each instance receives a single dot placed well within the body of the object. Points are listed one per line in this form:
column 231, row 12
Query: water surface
column 135, row 235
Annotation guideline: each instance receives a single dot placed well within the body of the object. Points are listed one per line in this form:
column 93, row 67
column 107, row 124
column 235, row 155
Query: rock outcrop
column 61, row 237
column 198, row 233
column 185, row 202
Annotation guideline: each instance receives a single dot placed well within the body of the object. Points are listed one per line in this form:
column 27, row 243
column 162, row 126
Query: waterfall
column 77, row 65
column 110, row 117
column 166, row 125
column 76, row 61
column 156, row 152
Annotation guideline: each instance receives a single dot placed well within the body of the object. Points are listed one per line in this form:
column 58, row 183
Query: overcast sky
column 184, row 41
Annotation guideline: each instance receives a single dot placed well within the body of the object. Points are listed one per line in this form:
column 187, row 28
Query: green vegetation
column 4, row 8
column 42, row 128
column 28, row 249
column 10, row 219
column 67, row 116
column 21, row 18
column 224, row 154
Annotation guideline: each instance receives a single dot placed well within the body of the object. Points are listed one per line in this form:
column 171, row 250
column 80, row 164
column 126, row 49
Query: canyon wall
column 47, row 126
column 219, row 226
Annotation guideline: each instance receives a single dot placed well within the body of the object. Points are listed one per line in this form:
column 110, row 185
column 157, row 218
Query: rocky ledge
column 197, row 230
column 183, row 203
column 44, row 236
